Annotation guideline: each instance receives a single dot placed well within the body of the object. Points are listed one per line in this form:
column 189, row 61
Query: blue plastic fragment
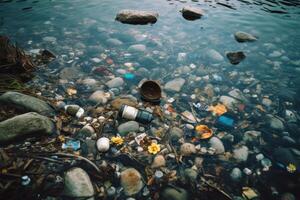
column 71, row 144
column 129, row 76
column 226, row 121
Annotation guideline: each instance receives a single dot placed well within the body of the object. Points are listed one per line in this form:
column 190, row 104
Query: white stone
column 103, row 144
column 241, row 154
column 116, row 82
column 215, row 55
column 174, row 85
column 229, row 102
column 78, row 184
column 217, row 144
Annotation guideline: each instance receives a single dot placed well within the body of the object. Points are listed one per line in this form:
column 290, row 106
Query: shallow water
column 79, row 33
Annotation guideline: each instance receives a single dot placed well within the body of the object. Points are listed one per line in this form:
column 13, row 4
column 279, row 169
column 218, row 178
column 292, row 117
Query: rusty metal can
column 150, row 91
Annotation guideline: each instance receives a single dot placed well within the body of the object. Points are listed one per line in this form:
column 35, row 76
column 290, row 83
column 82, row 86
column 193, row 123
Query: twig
column 80, row 158
column 216, row 188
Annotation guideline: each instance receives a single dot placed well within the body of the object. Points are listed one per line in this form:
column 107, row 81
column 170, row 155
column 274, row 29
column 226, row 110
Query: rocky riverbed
column 225, row 126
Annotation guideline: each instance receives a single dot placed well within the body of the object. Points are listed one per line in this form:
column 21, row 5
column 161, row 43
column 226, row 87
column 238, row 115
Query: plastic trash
column 71, row 144
column 200, row 107
column 25, row 180
column 203, row 132
column 249, row 193
column 129, row 76
column 218, row 109
column 131, row 113
column 225, row 121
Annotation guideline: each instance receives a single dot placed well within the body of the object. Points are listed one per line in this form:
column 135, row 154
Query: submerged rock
column 217, row 144
column 100, row 97
column 287, row 196
column 229, row 102
column 137, row 17
column 78, row 184
column 174, row 194
column 127, row 127
column 158, row 161
column 25, row 125
column 235, row 57
column 192, row 13
column 116, row 82
column 241, row 154
column 274, row 122
column 244, row 37
column 68, row 73
column 114, row 42
column 174, row 85
column 190, row 174
column 26, row 103
column 187, row 149
column 131, row 181
column 215, row 55
column 236, row 174
column 72, row 109
column 103, row 144
column 176, row 133
column 137, row 48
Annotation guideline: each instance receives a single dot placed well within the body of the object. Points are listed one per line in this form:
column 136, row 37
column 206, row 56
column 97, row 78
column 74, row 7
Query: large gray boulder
column 26, row 103
column 137, row 17
column 25, row 125
column 78, row 184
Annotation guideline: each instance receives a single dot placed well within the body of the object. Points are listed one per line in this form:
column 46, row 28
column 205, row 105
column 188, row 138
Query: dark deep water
column 85, row 36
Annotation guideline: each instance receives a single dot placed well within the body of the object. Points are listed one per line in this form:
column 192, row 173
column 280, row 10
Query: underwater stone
column 241, row 154
column 137, row 48
column 158, row 161
column 25, row 125
column 78, row 184
column 116, row 82
column 137, row 17
column 217, row 144
column 176, row 133
column 103, row 144
column 215, row 55
column 114, row 42
column 187, row 149
column 127, row 127
column 99, row 96
column 244, row 37
column 235, row 57
column 274, row 122
column 174, row 194
column 229, row 102
column 175, row 85
column 26, row 103
column 131, row 181
column 72, row 109
column 192, row 13
column 236, row 174
column 190, row 174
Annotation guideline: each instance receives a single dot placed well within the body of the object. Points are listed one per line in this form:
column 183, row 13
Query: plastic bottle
column 138, row 115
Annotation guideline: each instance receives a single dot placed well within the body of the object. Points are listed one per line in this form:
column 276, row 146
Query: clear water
column 82, row 29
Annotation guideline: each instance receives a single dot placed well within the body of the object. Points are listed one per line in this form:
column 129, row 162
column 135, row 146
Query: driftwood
column 13, row 59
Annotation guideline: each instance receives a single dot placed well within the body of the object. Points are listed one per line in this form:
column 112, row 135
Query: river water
column 84, row 35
